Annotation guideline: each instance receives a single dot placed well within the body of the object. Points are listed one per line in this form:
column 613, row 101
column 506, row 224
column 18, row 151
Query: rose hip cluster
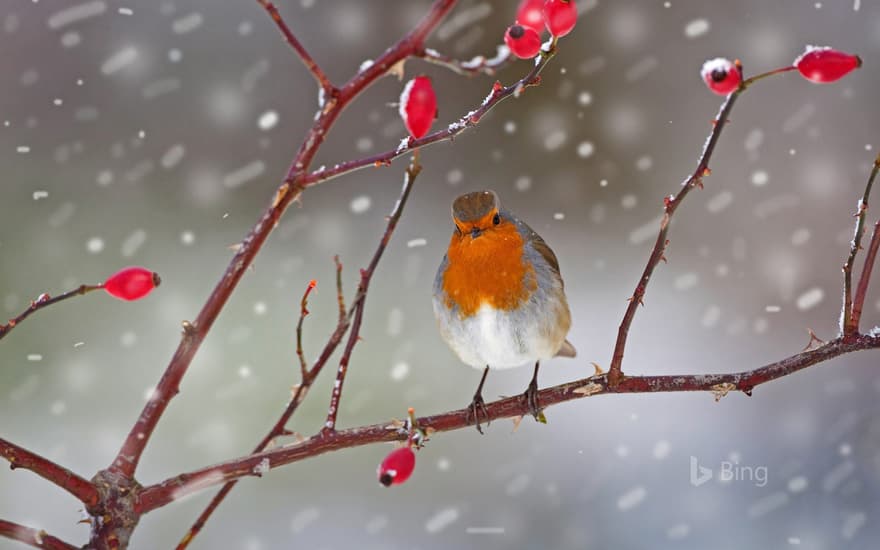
column 418, row 102
column 820, row 65
column 524, row 36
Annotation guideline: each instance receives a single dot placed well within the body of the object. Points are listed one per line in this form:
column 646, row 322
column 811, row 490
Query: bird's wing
column 544, row 250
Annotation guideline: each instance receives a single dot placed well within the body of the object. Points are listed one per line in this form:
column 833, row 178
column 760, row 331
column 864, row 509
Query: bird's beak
column 476, row 232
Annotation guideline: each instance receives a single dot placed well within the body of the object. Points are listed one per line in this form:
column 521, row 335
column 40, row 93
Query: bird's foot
column 475, row 410
column 531, row 398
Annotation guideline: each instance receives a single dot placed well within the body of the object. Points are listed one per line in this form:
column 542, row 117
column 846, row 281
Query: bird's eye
column 496, row 220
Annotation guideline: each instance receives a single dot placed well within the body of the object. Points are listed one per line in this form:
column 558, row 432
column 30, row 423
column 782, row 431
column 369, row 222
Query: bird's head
column 476, row 213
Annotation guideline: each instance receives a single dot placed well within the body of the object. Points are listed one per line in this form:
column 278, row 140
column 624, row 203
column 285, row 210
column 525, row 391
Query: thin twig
column 43, row 301
column 280, row 428
column 472, row 118
column 409, row 179
column 862, row 288
column 849, row 323
column 303, row 311
column 32, row 537
column 671, row 203
column 194, row 333
column 19, row 457
column 340, row 297
column 309, row 376
column 657, row 254
column 306, row 58
column 473, row 67
column 160, row 494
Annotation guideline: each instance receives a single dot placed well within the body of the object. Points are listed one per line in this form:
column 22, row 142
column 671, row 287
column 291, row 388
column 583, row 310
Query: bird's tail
column 567, row 350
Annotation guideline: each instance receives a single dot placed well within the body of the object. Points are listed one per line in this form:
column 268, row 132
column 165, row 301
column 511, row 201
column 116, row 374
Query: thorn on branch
column 813, row 340
column 280, row 194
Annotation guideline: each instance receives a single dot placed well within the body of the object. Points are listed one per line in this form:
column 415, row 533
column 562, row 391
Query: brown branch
column 849, row 321
column 175, row 488
column 291, row 39
column 43, row 301
column 308, row 376
column 409, row 180
column 473, row 67
column 129, row 454
column 32, row 537
column 77, row 486
column 671, row 203
column 299, row 394
column 470, row 119
column 862, row 289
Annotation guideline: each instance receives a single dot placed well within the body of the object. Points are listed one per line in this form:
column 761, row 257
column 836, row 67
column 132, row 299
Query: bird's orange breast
column 487, row 270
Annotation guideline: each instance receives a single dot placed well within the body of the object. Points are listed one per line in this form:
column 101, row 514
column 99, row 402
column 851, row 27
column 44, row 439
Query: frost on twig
column 261, row 468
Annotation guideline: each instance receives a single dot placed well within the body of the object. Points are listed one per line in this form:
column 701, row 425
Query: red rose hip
column 531, row 14
column 131, row 283
column 822, row 65
column 560, row 16
column 721, row 75
column 418, row 106
column 397, row 466
column 524, row 42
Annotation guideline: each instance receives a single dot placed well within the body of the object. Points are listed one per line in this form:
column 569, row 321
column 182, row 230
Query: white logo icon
column 699, row 474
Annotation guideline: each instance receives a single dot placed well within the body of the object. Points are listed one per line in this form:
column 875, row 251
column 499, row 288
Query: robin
column 498, row 295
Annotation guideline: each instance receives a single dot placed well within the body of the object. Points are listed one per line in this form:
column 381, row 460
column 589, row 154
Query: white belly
column 498, row 339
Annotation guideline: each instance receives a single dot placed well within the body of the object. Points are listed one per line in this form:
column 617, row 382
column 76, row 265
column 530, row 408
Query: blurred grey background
column 155, row 133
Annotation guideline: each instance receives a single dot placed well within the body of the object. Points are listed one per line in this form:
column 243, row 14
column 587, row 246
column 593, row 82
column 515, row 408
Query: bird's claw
column 531, row 398
column 475, row 409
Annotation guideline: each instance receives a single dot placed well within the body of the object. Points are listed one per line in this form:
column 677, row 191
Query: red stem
column 32, row 537
column 77, row 486
column 160, row 494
